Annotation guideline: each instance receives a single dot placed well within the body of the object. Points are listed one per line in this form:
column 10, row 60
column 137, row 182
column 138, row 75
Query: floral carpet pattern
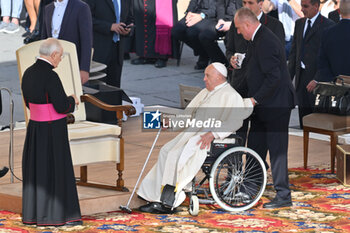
column 320, row 204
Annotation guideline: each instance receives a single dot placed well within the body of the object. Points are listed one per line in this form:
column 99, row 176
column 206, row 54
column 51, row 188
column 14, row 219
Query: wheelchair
column 234, row 177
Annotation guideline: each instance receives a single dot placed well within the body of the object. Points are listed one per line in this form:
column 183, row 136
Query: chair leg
column 120, row 169
column 180, row 53
column 333, row 150
column 83, row 174
column 306, row 147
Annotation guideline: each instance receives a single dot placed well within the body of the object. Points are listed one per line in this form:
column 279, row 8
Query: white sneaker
column 11, row 28
column 3, row 26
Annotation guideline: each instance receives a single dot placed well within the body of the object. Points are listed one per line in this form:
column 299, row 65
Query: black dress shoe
column 27, row 33
column 3, row 171
column 155, row 208
column 142, row 61
column 34, row 36
column 275, row 203
column 160, row 63
column 75, row 223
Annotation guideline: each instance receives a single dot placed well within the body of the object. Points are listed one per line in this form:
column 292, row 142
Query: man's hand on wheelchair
column 206, row 140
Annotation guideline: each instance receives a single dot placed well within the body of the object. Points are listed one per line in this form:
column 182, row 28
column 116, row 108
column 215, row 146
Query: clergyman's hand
column 75, row 99
column 206, row 140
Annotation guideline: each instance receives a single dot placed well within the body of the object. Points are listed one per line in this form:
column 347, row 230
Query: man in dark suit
column 334, row 15
column 334, row 53
column 237, row 44
column 71, row 20
column 303, row 55
column 272, row 94
column 197, row 30
column 112, row 21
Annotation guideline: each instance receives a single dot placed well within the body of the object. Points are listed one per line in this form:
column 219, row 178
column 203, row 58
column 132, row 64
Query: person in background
column 304, row 52
column 112, row 22
column 71, row 20
column 154, row 20
column 49, row 196
column 10, row 12
column 32, row 7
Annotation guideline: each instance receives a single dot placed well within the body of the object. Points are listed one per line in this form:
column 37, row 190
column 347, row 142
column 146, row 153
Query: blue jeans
column 11, row 8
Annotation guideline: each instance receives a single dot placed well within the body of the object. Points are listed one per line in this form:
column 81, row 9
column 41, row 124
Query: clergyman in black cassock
column 49, row 189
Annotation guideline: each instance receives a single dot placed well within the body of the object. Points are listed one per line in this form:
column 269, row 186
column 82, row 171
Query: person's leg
column 32, row 13
column 16, row 10
column 208, row 36
column 277, row 140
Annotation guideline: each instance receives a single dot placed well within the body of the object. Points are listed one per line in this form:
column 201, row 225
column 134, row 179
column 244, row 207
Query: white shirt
column 256, row 31
column 313, row 19
column 57, row 17
column 260, row 15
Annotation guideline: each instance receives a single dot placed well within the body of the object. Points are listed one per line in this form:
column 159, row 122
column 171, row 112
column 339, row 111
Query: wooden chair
column 327, row 124
column 90, row 142
column 187, row 93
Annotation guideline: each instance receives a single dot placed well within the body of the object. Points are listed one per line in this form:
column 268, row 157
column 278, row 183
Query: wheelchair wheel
column 194, row 205
column 237, row 179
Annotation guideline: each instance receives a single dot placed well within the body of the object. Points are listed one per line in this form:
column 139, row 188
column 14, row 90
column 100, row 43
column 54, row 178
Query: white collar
column 43, row 59
column 257, row 28
column 61, row 4
column 220, row 86
column 260, row 15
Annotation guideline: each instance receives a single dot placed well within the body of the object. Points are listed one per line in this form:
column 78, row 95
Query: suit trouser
column 306, row 100
column 201, row 37
column 272, row 136
column 114, row 66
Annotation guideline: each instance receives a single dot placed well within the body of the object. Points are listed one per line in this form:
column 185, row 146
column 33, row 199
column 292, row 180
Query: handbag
column 332, row 97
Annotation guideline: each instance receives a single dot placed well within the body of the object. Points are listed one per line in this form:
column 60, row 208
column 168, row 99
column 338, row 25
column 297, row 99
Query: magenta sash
column 44, row 112
column 164, row 23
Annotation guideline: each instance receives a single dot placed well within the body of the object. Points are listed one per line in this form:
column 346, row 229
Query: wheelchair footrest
column 168, row 195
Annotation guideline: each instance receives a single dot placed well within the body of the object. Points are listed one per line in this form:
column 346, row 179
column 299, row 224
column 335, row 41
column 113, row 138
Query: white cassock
column 181, row 158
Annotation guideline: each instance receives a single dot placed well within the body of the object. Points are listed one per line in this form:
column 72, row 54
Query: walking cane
column 127, row 208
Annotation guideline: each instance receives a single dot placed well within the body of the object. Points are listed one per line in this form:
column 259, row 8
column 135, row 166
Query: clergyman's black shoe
column 75, row 223
column 160, row 63
column 3, row 171
column 155, row 208
column 275, row 203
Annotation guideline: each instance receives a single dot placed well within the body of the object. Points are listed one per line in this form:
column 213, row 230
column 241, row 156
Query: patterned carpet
column 320, row 204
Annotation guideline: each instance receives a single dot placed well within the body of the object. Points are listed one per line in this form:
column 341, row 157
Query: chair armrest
column 119, row 109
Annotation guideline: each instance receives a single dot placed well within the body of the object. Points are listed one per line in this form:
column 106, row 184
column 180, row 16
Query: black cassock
column 49, row 190
column 145, row 31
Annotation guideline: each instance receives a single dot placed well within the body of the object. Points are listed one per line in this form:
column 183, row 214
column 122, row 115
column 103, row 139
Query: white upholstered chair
column 90, row 142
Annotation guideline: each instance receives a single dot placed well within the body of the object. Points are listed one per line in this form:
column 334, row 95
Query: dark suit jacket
column 311, row 47
column 267, row 76
column 334, row 53
column 76, row 27
column 103, row 16
column 237, row 44
column 226, row 9
column 208, row 7
column 334, row 15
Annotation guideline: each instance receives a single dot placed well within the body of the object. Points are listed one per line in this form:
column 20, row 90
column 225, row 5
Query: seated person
column 197, row 29
column 3, row 171
column 180, row 159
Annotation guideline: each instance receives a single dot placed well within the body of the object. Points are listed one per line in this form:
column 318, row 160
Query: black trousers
column 114, row 66
column 272, row 136
column 201, row 37
column 306, row 100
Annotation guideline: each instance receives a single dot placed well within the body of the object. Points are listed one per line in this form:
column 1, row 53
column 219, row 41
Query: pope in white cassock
column 181, row 158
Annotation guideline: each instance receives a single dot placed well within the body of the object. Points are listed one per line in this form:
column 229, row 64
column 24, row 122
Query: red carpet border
column 320, row 204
